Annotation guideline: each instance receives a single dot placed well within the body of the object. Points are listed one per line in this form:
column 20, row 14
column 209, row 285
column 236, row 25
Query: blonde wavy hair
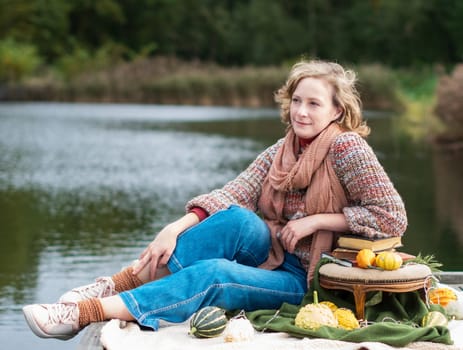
column 345, row 94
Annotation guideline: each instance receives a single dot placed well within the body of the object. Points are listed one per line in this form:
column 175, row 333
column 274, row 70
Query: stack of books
column 349, row 245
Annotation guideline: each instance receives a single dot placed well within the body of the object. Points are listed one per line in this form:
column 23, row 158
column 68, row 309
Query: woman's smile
column 302, row 123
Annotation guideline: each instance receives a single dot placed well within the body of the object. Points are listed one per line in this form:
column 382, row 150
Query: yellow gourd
column 434, row 318
column 330, row 304
column 441, row 296
column 313, row 316
column 346, row 319
column 365, row 258
column 388, row 260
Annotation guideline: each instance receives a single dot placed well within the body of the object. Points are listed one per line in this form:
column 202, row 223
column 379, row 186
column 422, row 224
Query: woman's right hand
column 159, row 251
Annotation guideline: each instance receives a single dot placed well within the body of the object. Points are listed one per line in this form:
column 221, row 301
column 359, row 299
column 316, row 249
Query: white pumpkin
column 238, row 329
column 455, row 308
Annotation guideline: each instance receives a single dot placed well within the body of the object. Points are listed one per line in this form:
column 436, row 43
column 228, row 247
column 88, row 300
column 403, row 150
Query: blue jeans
column 215, row 263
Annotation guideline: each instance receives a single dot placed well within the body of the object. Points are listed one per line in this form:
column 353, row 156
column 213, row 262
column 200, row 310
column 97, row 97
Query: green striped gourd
column 434, row 318
column 208, row 322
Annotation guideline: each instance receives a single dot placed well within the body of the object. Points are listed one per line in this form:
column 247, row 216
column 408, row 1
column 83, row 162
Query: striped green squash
column 434, row 318
column 208, row 322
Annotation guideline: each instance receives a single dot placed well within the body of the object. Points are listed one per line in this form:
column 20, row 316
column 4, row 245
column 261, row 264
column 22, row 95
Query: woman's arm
column 243, row 190
column 375, row 207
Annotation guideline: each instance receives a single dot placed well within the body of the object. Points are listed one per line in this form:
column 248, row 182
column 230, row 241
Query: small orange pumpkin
column 441, row 296
column 388, row 260
column 365, row 258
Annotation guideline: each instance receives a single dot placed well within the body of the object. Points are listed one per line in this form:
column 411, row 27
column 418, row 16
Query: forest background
column 233, row 52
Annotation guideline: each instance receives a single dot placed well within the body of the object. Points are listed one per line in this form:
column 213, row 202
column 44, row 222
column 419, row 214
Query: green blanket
column 393, row 318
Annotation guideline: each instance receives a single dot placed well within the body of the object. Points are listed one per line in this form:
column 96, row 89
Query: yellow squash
column 330, row 304
column 346, row 319
column 388, row 260
column 441, row 296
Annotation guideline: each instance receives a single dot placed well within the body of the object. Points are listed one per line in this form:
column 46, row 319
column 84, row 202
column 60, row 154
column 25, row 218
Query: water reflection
column 448, row 170
column 84, row 187
column 429, row 182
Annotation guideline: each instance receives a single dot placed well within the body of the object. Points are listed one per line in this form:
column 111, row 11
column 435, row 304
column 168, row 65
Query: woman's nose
column 303, row 110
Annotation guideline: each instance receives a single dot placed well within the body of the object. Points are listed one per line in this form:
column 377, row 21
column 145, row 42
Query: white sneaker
column 60, row 321
column 102, row 287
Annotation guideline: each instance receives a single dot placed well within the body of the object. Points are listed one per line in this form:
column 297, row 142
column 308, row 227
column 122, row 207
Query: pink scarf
column 312, row 170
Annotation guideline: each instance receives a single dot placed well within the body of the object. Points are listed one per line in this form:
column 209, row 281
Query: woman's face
column 312, row 108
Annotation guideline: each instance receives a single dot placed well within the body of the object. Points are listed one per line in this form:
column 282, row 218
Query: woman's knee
column 250, row 223
column 235, row 233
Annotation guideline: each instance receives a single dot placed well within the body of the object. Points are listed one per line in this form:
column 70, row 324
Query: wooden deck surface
column 91, row 337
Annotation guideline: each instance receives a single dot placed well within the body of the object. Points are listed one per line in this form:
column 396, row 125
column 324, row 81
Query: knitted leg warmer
column 90, row 310
column 126, row 280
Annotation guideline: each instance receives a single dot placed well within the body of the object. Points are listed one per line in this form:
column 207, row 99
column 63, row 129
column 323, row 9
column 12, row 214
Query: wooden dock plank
column 91, row 337
column 452, row 278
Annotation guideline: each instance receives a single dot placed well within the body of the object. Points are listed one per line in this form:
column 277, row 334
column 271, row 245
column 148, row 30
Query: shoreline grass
column 167, row 80
column 409, row 93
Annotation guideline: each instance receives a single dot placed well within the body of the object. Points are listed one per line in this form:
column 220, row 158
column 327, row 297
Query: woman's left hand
column 295, row 230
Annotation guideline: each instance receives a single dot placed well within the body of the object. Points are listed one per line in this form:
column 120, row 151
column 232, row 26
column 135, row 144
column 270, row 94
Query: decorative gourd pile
column 386, row 260
column 315, row 315
column 451, row 304
column 448, row 299
column 211, row 321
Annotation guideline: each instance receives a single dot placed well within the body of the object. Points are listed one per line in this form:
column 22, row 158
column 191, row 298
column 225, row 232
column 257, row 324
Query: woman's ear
column 338, row 113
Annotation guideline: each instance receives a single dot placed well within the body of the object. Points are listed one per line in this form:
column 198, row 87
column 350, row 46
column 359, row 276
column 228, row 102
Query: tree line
column 241, row 32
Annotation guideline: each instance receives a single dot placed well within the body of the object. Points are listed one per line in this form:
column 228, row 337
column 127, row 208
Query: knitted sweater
column 375, row 209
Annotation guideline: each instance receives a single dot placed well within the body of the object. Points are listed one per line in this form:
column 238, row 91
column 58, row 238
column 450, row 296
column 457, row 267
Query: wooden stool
column 360, row 281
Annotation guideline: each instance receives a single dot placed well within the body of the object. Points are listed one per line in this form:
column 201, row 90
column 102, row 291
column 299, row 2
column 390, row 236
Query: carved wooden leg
column 359, row 296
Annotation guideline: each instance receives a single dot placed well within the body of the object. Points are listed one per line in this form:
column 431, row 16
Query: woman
column 321, row 179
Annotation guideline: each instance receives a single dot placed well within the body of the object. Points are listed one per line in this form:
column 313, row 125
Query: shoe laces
column 63, row 313
column 103, row 286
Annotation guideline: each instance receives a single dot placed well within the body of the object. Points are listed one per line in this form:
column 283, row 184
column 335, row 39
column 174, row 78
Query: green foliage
column 418, row 83
column 242, row 32
column 428, row 260
column 44, row 23
column 80, row 37
column 17, row 60
column 378, row 87
column 82, row 60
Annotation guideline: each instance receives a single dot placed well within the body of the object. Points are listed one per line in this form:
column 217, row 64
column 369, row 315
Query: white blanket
column 176, row 337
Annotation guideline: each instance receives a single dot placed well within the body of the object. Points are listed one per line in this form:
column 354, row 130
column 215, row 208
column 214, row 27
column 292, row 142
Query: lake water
column 84, row 187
